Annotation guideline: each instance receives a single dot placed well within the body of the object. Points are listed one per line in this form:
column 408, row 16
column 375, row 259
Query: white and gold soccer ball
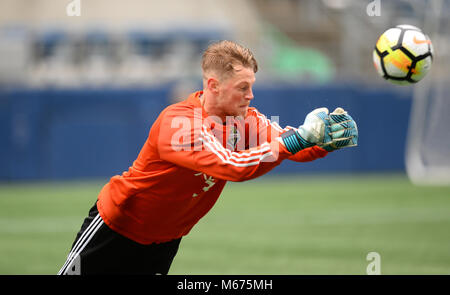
column 403, row 55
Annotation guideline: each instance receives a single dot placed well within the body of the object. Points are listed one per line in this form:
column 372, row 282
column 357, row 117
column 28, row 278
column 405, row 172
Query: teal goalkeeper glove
column 330, row 132
column 342, row 131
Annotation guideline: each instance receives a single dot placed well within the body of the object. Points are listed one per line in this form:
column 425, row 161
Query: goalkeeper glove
column 342, row 131
column 315, row 130
column 330, row 132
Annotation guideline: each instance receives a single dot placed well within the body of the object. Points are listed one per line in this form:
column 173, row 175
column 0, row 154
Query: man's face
column 235, row 92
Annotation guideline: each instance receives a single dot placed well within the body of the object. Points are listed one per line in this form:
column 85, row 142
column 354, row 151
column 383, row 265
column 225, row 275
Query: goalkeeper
column 193, row 149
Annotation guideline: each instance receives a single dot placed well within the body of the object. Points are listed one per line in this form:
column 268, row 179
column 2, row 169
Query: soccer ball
column 403, row 55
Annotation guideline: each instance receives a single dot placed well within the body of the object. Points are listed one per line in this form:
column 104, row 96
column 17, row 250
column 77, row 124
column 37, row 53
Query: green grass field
column 272, row 225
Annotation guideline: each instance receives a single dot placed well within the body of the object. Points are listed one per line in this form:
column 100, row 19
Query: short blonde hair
column 222, row 57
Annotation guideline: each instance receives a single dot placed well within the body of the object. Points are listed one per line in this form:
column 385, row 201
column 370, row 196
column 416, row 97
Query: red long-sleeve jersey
column 183, row 167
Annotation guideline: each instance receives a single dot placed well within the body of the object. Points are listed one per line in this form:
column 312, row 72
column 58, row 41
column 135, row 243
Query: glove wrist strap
column 294, row 142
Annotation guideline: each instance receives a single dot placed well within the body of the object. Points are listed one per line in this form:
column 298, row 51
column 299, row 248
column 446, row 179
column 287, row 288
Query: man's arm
column 186, row 141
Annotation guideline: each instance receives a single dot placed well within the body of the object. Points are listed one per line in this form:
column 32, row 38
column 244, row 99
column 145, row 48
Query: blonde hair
column 222, row 57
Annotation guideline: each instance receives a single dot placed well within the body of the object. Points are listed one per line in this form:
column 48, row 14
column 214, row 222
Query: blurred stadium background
column 78, row 95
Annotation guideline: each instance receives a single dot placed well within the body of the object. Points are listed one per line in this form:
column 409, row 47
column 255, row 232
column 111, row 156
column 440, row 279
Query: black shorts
column 97, row 249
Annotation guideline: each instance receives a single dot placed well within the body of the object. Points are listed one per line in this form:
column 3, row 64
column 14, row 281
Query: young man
column 193, row 149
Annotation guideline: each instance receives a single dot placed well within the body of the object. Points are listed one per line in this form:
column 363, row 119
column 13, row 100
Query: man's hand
column 342, row 131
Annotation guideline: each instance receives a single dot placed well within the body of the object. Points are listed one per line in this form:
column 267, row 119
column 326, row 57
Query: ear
column 212, row 84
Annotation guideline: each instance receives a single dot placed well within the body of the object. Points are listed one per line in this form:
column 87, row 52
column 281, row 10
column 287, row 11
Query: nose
column 249, row 95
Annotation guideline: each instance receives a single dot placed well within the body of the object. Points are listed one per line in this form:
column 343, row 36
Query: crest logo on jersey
column 233, row 138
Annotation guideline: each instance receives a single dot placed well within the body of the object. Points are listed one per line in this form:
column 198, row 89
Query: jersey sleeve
column 309, row 154
column 185, row 140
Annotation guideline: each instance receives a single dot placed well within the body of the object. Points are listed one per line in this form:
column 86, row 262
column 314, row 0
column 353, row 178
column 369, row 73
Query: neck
column 210, row 104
